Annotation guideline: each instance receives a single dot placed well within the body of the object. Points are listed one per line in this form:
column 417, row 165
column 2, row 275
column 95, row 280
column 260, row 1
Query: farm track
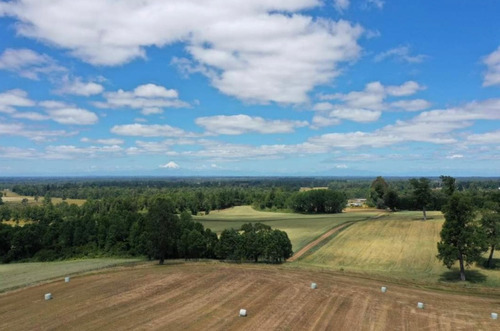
column 208, row 296
column 325, row 236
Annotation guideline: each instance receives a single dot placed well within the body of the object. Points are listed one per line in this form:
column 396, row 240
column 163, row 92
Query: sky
column 249, row 88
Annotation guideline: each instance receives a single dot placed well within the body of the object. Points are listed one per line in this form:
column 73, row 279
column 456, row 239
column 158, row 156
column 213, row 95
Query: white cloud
column 455, row 156
column 28, row 63
column 170, row 165
column 492, row 75
column 20, row 130
column 372, row 97
column 53, row 104
column 400, row 53
column 14, row 98
column 485, row 138
column 319, row 121
column 341, row 5
column 32, row 116
column 411, row 105
column 374, row 3
column 332, row 114
column 153, row 130
column 258, row 51
column 240, row 124
column 75, row 152
column 407, row 88
column 150, row 98
column 74, row 116
column 341, row 166
column 77, row 87
column 153, row 91
column 109, row 141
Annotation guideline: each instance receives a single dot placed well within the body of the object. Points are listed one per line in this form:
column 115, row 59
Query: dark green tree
column 421, row 193
column 391, row 199
column 378, row 189
column 163, row 228
column 491, row 226
column 461, row 238
column 448, row 184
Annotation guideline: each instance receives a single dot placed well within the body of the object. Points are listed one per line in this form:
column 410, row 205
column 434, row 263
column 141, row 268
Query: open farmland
column 22, row 274
column 209, row 295
column 13, row 197
column 301, row 228
column 397, row 246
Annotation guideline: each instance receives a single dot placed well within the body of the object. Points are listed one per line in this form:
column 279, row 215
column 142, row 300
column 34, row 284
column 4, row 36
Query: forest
column 152, row 217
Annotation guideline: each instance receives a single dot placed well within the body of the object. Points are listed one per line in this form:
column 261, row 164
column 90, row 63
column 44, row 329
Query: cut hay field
column 13, row 197
column 398, row 246
column 208, row 296
column 301, row 229
column 23, row 274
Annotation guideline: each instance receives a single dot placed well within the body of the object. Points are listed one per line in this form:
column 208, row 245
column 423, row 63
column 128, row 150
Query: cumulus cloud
column 240, row 124
column 341, row 5
column 150, row 98
column 76, row 86
column 170, row 165
column 455, row 156
column 32, row 116
column 108, row 141
column 366, row 105
column 14, row 98
column 258, row 51
column 400, row 53
column 153, row 130
column 374, row 3
column 75, row 152
column 21, row 130
column 485, row 138
column 411, row 105
column 27, row 63
column 373, row 96
column 492, row 74
column 74, row 116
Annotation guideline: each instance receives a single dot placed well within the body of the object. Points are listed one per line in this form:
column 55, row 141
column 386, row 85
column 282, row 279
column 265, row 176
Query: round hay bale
column 48, row 296
column 314, row 286
column 66, row 279
column 420, row 305
column 383, row 289
column 494, row 316
column 243, row 312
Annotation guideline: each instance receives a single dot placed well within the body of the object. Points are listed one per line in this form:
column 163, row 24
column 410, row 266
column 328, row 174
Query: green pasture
column 398, row 246
column 301, row 229
column 15, row 275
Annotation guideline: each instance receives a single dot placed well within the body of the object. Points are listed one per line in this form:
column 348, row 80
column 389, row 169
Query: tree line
column 122, row 227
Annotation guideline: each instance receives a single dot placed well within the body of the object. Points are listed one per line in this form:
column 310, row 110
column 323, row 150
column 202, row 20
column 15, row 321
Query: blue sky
column 282, row 87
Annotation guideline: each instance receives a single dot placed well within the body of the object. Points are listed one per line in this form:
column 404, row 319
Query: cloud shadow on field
column 471, row 276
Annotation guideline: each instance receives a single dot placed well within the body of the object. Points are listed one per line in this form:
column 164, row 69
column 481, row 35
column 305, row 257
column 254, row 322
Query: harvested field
column 398, row 246
column 209, row 296
column 301, row 228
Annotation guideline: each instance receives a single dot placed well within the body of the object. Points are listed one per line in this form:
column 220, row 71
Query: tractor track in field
column 325, row 236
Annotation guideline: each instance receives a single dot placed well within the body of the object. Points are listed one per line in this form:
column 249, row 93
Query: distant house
column 304, row 189
column 356, row 202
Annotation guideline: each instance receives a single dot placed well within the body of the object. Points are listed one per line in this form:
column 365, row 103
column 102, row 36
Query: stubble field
column 208, row 296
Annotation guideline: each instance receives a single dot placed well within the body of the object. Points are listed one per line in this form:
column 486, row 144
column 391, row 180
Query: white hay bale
column 48, row 296
column 314, row 286
column 66, row 279
column 243, row 312
column 383, row 289
column 494, row 316
column 420, row 305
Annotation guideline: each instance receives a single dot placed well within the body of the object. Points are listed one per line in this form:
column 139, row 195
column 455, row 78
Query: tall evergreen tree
column 461, row 238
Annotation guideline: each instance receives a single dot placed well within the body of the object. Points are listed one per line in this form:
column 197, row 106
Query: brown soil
column 201, row 296
column 313, row 243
